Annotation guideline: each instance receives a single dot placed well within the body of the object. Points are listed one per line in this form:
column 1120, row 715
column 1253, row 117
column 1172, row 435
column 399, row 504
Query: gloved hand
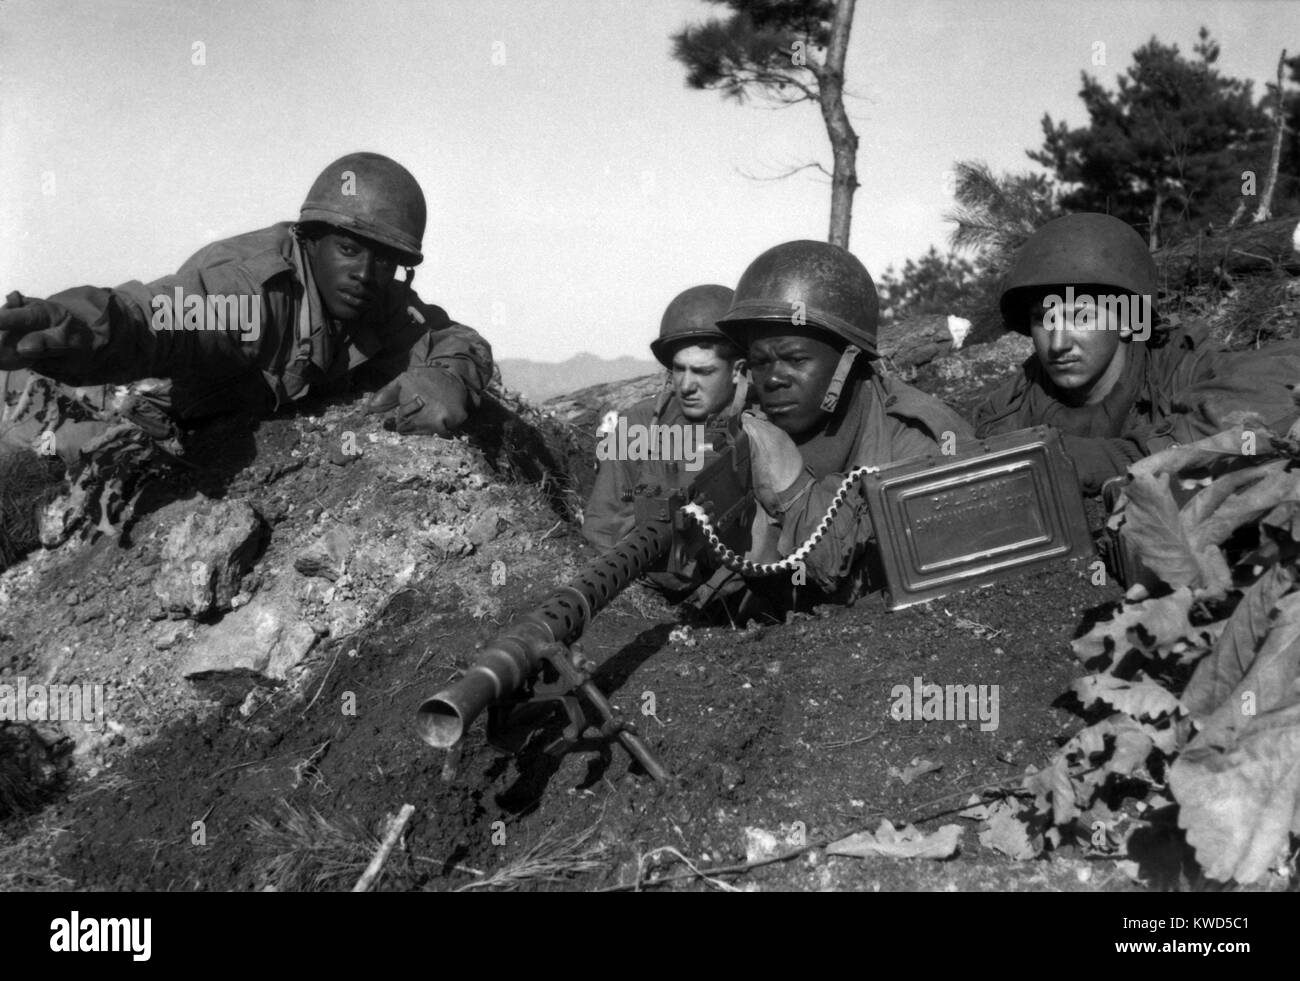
column 31, row 331
column 427, row 400
column 775, row 463
column 1097, row 459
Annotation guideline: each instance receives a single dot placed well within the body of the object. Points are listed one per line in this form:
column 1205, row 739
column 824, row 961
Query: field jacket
column 609, row 513
column 294, row 347
column 1175, row 390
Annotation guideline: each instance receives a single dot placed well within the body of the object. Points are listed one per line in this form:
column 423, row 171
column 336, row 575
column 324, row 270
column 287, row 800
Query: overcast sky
column 575, row 184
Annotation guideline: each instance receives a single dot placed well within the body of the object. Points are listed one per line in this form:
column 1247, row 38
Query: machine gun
column 944, row 523
column 529, row 668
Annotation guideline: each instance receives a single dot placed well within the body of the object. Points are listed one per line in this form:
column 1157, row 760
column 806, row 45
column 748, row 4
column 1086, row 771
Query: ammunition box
column 946, row 523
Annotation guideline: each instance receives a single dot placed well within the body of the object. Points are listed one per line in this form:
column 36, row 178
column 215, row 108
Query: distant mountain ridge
column 541, row 380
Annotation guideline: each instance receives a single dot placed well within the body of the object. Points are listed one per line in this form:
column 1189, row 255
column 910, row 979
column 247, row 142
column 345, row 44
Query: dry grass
column 27, row 863
column 108, row 782
column 551, row 859
column 306, row 850
column 308, row 770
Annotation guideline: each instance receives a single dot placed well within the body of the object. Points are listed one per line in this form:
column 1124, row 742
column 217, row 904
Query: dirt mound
column 115, row 614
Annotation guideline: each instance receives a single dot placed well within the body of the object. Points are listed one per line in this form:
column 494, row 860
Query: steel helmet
column 693, row 315
column 373, row 196
column 809, row 282
column 1087, row 248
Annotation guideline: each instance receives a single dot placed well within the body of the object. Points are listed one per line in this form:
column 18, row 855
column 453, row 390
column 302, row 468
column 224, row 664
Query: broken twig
column 385, row 849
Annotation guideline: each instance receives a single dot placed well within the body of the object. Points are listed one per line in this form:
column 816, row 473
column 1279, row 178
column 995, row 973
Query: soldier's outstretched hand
column 423, row 400
column 775, row 463
column 29, row 334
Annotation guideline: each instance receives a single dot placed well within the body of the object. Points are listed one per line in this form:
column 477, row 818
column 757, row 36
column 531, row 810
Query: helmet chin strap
column 832, row 397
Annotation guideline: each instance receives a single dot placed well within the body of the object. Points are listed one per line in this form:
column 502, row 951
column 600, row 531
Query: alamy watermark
column 1108, row 311
column 239, row 312
column 80, row 934
column 638, row 442
column 21, row 702
column 923, row 701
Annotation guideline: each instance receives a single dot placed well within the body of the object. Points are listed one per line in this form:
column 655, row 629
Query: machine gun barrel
column 530, row 663
column 507, row 664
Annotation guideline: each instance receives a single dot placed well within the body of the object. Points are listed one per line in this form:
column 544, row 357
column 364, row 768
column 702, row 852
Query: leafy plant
column 1193, row 697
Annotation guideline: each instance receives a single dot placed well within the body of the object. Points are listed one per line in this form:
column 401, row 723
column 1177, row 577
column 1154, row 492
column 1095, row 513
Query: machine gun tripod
column 564, row 679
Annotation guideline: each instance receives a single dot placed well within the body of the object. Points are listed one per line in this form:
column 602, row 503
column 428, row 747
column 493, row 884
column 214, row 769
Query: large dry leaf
column 1212, row 451
column 1153, row 529
column 1139, row 698
column 1180, row 545
column 917, row 768
column 1090, row 741
column 1165, row 620
column 1116, row 744
column 1286, row 519
column 1052, row 786
column 1269, row 681
column 1208, row 500
column 1218, row 674
column 1246, row 504
column 907, row 842
column 1133, row 744
column 1167, row 738
column 1239, row 807
column 1007, row 832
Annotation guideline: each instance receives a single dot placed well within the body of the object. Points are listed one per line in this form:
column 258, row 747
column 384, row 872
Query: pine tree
column 1166, row 150
column 786, row 52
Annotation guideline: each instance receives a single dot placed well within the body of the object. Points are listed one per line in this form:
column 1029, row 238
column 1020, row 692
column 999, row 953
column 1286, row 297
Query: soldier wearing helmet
column 258, row 321
column 1117, row 382
column 706, row 374
column 806, row 313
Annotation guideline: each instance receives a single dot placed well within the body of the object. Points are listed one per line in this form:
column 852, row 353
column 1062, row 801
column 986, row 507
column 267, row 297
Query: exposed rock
column 115, row 467
column 326, row 557
column 486, row 528
column 87, row 613
column 264, row 640
column 206, row 556
column 344, row 617
column 449, row 541
column 168, row 635
column 341, row 456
